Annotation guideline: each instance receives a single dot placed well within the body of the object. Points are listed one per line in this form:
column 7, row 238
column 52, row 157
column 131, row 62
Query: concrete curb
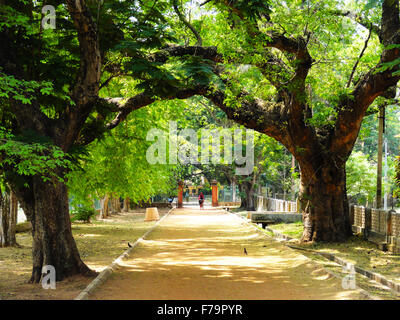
column 395, row 287
column 105, row 274
column 330, row 256
column 279, row 235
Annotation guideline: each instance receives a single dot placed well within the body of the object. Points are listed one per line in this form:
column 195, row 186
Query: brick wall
column 396, row 225
column 359, row 216
column 377, row 223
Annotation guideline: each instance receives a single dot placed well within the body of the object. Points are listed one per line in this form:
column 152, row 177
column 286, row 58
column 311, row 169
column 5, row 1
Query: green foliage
column 29, row 155
column 21, row 90
column 397, row 178
column 361, row 178
column 368, row 135
column 117, row 164
column 44, row 64
column 372, row 4
column 251, row 9
column 83, row 214
column 392, row 64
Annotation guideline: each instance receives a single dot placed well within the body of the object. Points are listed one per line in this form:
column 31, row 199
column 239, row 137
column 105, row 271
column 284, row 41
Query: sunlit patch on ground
column 99, row 243
column 200, row 255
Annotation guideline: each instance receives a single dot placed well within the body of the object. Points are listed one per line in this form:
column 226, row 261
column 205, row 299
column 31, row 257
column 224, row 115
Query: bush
column 83, row 214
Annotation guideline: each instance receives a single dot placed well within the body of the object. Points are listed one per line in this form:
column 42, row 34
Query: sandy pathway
column 196, row 254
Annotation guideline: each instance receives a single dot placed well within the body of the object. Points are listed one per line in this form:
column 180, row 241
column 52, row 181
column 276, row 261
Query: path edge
column 106, row 273
column 278, row 235
column 377, row 277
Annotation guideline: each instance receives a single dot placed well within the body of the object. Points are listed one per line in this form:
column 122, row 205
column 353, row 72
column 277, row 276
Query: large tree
column 53, row 84
column 50, row 97
column 282, row 53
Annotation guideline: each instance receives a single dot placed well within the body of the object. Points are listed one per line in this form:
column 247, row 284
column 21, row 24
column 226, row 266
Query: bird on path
column 245, row 251
column 129, row 245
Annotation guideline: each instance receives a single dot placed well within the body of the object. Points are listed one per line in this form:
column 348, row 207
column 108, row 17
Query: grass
column 99, row 243
column 364, row 254
column 356, row 250
column 294, row 230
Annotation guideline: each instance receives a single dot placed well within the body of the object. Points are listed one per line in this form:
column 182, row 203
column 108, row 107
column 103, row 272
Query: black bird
column 245, row 251
column 129, row 245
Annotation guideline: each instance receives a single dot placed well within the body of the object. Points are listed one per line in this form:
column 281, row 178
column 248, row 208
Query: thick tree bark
column 324, row 204
column 53, row 243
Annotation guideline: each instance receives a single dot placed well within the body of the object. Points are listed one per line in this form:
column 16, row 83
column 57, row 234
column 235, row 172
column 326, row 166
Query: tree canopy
column 304, row 73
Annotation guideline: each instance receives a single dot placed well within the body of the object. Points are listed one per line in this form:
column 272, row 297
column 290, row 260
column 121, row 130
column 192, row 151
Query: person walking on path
column 201, row 200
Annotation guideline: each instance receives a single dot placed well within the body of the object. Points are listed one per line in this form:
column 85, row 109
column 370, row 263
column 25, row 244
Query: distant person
column 170, row 200
column 201, row 200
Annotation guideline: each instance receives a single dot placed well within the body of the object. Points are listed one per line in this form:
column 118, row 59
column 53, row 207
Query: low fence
column 270, row 204
column 228, row 204
column 377, row 225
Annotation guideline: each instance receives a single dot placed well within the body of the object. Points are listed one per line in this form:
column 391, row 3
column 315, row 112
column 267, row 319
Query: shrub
column 83, row 214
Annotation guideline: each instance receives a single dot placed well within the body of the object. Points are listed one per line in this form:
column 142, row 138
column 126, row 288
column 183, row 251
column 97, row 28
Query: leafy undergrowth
column 99, row 243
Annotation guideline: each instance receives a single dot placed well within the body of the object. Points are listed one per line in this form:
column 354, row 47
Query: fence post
column 351, row 212
column 180, row 194
column 214, row 186
column 367, row 221
column 388, row 225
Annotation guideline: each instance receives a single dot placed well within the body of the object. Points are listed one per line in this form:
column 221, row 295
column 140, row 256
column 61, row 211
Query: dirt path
column 196, row 254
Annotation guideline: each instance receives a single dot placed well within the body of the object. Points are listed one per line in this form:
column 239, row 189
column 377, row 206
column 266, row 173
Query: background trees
column 303, row 94
column 8, row 217
column 296, row 71
column 116, row 165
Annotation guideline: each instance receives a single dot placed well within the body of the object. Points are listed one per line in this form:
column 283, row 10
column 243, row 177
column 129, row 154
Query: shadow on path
column 197, row 254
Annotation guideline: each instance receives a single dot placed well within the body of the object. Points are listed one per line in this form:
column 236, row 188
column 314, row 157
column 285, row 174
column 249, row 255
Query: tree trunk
column 112, row 206
column 381, row 130
column 116, row 205
column 13, row 218
column 104, row 211
column 8, row 219
column 47, row 208
column 126, row 205
column 4, row 219
column 324, row 202
column 293, row 186
column 247, row 200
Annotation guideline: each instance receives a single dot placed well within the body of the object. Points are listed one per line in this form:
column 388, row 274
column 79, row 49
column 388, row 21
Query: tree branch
column 375, row 83
column 359, row 19
column 358, row 60
column 143, row 99
column 262, row 116
column 186, row 23
column 209, row 53
column 87, row 83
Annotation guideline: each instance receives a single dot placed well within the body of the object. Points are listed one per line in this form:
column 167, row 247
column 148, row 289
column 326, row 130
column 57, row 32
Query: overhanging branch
column 359, row 19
